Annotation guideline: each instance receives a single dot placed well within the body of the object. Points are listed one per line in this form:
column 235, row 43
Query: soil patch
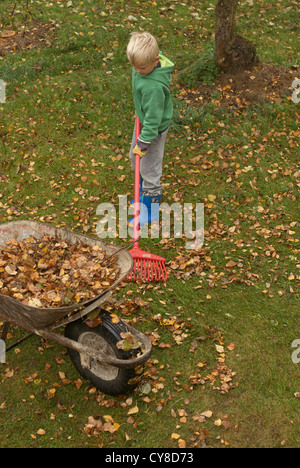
column 37, row 35
column 264, row 83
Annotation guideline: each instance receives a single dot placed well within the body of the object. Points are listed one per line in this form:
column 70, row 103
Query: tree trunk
column 232, row 52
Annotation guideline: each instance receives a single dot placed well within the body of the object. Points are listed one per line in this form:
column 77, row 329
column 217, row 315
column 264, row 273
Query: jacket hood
column 163, row 74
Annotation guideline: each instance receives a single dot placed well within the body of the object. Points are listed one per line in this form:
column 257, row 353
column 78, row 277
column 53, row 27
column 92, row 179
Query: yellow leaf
column 116, row 426
column 219, row 348
column 218, row 422
column 181, row 443
column 207, row 414
column 133, row 410
column 115, row 318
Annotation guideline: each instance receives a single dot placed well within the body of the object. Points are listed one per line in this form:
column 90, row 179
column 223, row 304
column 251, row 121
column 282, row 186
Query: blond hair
column 142, row 49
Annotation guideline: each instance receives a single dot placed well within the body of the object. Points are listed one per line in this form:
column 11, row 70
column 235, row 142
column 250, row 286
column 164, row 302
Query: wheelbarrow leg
column 4, row 331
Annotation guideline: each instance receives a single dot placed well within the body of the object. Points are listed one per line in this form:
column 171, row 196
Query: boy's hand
column 141, row 147
column 139, row 151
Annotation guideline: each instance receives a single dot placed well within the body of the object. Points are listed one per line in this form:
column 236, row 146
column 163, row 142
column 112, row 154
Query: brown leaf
column 7, row 33
column 231, row 264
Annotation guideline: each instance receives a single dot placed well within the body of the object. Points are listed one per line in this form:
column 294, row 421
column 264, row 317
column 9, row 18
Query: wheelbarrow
column 91, row 343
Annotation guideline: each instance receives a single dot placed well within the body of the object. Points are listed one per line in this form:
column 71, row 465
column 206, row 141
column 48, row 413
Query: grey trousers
column 151, row 163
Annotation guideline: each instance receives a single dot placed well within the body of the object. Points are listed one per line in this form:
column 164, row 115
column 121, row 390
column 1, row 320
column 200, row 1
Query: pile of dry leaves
column 53, row 273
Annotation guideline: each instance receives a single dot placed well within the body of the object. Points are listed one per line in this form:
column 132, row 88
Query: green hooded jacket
column 152, row 99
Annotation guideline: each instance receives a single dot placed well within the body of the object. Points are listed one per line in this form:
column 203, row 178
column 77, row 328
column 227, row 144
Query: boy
column 151, row 77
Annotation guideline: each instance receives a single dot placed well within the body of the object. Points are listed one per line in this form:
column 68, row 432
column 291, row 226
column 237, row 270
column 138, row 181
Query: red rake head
column 147, row 267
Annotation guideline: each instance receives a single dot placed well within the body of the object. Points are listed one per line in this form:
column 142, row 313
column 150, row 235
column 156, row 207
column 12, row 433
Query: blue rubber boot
column 149, row 210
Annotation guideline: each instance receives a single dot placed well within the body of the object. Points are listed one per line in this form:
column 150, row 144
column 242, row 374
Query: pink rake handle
column 147, row 267
column 136, row 188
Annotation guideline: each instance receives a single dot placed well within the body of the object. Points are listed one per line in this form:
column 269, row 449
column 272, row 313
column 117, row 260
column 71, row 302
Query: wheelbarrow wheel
column 108, row 379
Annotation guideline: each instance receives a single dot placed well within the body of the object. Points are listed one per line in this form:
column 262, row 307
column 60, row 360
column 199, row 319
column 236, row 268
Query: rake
column 147, row 267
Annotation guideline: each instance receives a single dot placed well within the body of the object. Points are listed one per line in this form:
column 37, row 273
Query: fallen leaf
column 11, row 270
column 7, row 33
column 133, row 410
column 207, row 414
column 231, row 264
column 218, row 422
column 181, row 443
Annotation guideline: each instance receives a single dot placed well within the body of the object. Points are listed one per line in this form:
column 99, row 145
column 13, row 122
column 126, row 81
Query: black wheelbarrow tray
column 92, row 348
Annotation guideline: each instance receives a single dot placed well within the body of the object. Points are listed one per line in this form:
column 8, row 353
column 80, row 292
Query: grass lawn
column 221, row 373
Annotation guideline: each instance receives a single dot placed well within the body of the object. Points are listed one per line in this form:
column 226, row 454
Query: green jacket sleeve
column 153, row 107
